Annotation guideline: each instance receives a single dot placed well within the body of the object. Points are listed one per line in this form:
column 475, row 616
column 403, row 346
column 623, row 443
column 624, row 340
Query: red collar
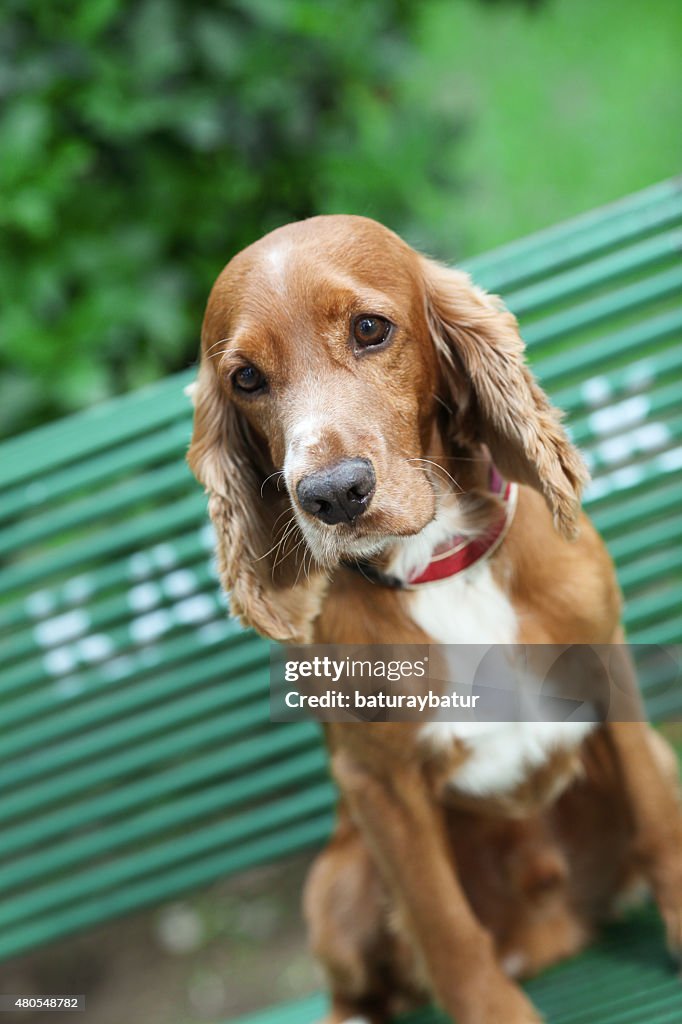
column 457, row 553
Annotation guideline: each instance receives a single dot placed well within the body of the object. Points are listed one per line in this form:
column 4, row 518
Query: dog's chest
column 471, row 608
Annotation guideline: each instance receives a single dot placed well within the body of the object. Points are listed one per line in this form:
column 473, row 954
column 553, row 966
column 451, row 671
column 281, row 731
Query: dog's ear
column 224, row 459
column 495, row 396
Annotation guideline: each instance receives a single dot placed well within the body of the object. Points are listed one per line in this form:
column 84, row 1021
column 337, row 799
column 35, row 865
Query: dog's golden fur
column 423, row 890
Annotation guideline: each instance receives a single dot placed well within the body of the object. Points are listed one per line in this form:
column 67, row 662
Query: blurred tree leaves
column 143, row 142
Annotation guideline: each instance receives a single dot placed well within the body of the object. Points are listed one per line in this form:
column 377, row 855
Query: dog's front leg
column 405, row 831
column 648, row 774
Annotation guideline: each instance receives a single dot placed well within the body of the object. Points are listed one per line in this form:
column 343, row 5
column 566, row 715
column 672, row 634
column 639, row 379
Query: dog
column 360, row 406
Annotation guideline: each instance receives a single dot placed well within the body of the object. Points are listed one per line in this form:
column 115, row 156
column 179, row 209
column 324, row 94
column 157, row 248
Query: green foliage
column 569, row 106
column 144, row 142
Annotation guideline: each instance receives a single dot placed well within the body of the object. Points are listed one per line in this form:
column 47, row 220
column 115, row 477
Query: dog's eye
column 248, row 379
column 371, row 330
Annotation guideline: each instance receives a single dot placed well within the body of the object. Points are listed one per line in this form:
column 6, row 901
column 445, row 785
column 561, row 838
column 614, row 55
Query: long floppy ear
column 494, row 391
column 222, row 458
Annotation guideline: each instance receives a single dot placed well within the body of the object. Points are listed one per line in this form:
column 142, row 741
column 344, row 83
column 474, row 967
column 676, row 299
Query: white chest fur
column 471, row 608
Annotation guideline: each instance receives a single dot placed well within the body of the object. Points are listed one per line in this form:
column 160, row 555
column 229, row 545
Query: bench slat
column 609, row 349
column 115, row 702
column 195, row 769
column 164, row 885
column 557, row 248
column 167, row 819
column 147, row 860
column 97, row 429
column 206, row 702
column 142, row 532
column 166, row 444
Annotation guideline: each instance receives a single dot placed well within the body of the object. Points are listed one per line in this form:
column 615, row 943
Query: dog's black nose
column 339, row 494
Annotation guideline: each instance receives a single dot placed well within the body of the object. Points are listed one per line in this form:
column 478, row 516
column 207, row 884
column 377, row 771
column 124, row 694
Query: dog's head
column 336, row 361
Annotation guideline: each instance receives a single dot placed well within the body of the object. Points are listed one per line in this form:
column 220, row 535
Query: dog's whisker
column 288, row 554
column 444, row 404
column 220, row 341
column 286, row 532
column 287, row 510
column 300, row 566
column 277, row 543
column 441, row 470
column 428, row 472
column 279, row 558
column 358, row 565
column 296, row 547
column 283, row 555
column 278, row 473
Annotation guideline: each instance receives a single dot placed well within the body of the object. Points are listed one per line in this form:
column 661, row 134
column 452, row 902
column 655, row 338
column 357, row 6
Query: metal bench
column 136, row 756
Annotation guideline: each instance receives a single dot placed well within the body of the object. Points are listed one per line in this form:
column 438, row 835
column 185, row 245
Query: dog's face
column 327, row 357
column 336, row 362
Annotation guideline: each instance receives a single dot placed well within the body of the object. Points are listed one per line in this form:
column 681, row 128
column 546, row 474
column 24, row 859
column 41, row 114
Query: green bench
column 136, row 757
